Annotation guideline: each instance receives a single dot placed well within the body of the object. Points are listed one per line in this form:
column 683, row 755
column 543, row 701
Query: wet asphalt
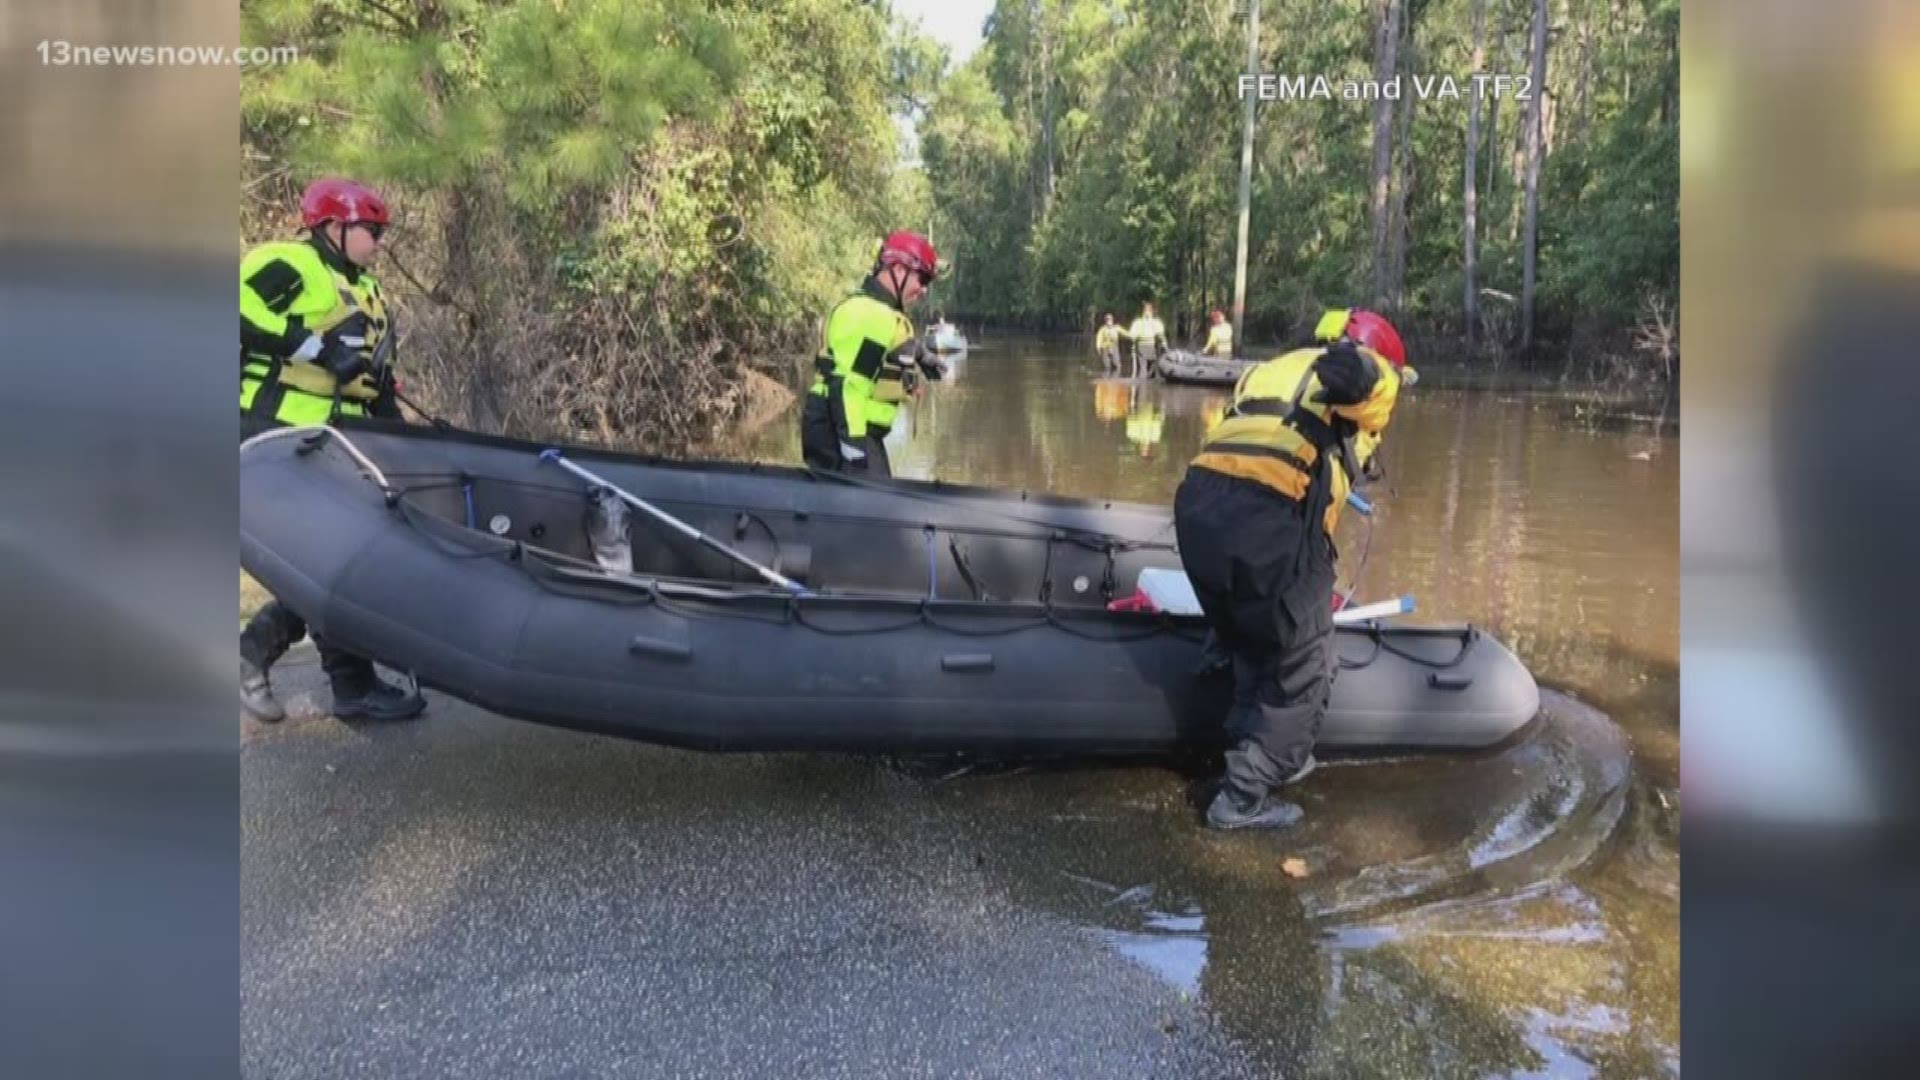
column 466, row 895
column 470, row 896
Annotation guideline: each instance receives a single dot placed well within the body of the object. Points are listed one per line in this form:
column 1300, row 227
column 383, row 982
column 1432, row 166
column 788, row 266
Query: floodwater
column 1508, row 914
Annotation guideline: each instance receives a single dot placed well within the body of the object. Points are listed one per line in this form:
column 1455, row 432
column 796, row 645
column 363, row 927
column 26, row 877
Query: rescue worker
column 1149, row 337
column 869, row 362
column 311, row 322
column 1219, row 335
column 1106, row 342
column 1255, row 518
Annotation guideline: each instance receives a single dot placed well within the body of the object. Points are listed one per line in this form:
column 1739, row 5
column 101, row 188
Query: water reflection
column 1492, row 965
column 1171, row 945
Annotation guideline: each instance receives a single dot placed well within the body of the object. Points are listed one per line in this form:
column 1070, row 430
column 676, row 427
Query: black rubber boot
column 1234, row 809
column 266, row 638
column 377, row 701
column 256, row 695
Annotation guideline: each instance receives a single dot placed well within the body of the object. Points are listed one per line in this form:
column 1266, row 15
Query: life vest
column 1219, row 340
column 1146, row 329
column 289, row 280
column 859, row 355
column 1274, row 433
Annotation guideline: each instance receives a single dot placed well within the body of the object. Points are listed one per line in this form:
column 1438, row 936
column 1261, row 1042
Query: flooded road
column 1518, row 511
column 470, row 895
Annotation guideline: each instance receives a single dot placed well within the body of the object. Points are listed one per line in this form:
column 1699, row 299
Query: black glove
column 351, row 331
column 931, row 367
column 344, row 361
column 343, row 348
column 1346, row 378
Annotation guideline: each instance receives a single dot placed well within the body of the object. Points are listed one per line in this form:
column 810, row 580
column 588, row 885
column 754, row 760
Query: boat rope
column 1089, row 541
column 1091, row 538
column 1046, row 572
column 1468, row 637
column 563, row 573
column 1360, row 568
column 967, row 575
column 693, row 602
column 933, row 565
column 806, row 612
column 318, row 435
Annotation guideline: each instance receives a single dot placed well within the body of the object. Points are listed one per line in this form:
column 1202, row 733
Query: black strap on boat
column 980, row 593
column 1468, row 635
column 1356, row 665
column 1046, row 571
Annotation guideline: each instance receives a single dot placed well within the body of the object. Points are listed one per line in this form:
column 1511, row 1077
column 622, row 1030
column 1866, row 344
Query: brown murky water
column 1513, row 914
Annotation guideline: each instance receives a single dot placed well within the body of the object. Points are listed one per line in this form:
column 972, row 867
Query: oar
column 554, row 456
column 1382, row 609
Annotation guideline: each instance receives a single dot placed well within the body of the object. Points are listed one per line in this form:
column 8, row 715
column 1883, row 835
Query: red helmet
column 1376, row 333
column 344, row 201
column 1365, row 327
column 911, row 250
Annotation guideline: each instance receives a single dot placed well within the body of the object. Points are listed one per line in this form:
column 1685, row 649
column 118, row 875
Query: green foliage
column 1138, row 101
column 543, row 98
column 594, row 185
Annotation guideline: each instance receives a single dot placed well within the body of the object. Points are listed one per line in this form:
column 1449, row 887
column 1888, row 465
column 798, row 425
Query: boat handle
column 1448, row 682
column 963, row 663
column 664, row 650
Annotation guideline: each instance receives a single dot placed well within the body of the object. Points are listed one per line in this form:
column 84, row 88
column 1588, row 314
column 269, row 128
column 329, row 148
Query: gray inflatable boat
column 921, row 617
column 1178, row 365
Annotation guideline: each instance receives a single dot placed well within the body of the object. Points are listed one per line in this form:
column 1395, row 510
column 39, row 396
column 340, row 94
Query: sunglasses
column 374, row 228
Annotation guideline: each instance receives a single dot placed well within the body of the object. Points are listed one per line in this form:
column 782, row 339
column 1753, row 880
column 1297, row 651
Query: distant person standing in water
column 1219, row 335
column 1106, row 342
column 1149, row 337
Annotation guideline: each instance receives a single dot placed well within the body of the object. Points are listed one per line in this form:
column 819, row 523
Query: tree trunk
column 1403, row 183
column 462, row 278
column 1493, row 124
column 1470, row 198
column 1385, row 57
column 1535, row 109
column 1549, row 122
column 1669, row 97
column 1046, row 98
column 1246, row 180
column 1582, row 98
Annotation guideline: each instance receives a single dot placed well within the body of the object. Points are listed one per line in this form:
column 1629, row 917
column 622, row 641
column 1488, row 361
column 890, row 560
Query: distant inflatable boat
column 919, row 617
column 1178, row 365
column 944, row 339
